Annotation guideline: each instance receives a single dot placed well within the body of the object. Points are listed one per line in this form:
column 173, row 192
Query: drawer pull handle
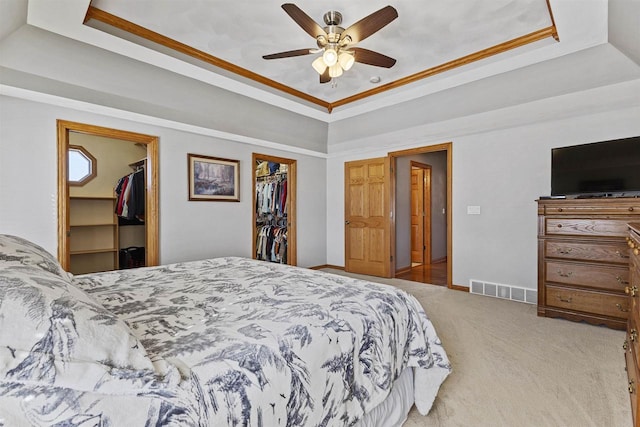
column 559, row 225
column 633, row 335
column 633, row 291
column 632, row 387
column 621, row 281
column 565, row 274
column 568, row 300
column 622, row 309
column 559, row 210
column 625, row 345
column 566, row 251
column 630, row 208
column 621, row 255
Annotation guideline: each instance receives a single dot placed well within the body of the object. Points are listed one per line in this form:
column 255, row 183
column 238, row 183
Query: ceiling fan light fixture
column 346, row 60
column 345, row 40
column 335, row 71
column 335, row 42
column 330, row 57
column 319, row 65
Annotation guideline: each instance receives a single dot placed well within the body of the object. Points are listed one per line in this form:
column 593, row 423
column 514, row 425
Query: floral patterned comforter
column 254, row 344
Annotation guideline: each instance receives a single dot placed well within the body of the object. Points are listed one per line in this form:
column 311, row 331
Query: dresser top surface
column 590, row 201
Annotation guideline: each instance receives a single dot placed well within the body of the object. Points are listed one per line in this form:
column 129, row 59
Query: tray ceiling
column 230, row 38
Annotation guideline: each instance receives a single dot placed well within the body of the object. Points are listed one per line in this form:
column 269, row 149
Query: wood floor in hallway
column 435, row 274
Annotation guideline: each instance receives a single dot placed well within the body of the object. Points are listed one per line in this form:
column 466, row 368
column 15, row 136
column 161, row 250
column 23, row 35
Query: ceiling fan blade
column 302, row 19
column 370, row 24
column 289, row 53
column 366, row 56
column 325, row 77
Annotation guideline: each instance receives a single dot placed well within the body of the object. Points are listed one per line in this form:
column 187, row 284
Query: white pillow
column 52, row 333
column 15, row 250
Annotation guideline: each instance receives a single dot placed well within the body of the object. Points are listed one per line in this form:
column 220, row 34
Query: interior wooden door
column 417, row 215
column 368, row 217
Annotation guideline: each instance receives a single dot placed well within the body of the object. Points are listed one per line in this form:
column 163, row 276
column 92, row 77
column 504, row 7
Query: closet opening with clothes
column 130, row 210
column 274, row 209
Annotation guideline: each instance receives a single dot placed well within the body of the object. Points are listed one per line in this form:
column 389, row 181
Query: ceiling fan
column 336, row 43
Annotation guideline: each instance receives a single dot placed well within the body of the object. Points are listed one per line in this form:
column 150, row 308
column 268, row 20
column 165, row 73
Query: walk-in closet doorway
column 105, row 222
column 274, row 209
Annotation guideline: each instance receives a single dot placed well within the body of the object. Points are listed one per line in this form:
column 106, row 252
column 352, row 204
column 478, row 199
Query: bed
column 218, row 342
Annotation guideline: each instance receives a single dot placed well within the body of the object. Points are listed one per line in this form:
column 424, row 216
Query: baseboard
column 320, row 267
column 439, row 260
column 460, row 288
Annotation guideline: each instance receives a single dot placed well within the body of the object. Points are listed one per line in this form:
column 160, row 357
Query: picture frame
column 213, row 178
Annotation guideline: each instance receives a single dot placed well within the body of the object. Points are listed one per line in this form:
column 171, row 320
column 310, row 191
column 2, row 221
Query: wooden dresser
column 632, row 343
column 583, row 259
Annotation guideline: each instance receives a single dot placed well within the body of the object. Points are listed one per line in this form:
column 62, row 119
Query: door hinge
column 391, row 258
column 424, row 248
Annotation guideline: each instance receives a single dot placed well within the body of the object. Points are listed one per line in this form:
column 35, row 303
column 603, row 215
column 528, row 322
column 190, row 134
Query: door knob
column 347, row 222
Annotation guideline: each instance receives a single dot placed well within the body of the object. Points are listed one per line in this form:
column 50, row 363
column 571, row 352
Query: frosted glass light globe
column 330, row 57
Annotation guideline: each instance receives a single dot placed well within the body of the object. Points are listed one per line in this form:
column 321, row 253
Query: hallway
column 435, row 274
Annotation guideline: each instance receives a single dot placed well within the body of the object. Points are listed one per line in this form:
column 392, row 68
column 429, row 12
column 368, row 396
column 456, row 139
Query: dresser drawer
column 587, row 251
column 614, row 278
column 633, row 335
column 587, row 301
column 587, row 227
column 633, row 289
column 590, row 207
column 632, row 375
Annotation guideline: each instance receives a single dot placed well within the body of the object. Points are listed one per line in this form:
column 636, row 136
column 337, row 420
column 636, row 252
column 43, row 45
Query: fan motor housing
column 332, row 17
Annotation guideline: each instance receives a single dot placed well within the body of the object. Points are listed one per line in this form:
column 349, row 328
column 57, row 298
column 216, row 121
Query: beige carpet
column 512, row 368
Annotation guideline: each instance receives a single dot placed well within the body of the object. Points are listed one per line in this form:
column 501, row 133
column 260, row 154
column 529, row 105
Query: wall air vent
column 514, row 293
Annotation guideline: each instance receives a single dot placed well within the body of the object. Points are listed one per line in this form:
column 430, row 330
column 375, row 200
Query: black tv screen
column 608, row 168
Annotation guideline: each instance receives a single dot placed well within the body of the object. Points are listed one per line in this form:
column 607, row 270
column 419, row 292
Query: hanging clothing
column 271, row 218
column 271, row 244
column 271, row 197
column 130, row 194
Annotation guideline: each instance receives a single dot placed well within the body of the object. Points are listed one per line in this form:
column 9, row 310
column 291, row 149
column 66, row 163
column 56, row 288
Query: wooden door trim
column 448, row 147
column 292, row 247
column 416, row 198
column 152, row 250
column 426, row 253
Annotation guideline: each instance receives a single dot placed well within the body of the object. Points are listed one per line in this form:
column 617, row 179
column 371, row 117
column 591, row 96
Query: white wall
column 624, row 31
column 501, row 171
column 188, row 230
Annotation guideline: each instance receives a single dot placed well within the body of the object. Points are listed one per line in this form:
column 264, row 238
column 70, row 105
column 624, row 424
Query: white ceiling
column 425, row 35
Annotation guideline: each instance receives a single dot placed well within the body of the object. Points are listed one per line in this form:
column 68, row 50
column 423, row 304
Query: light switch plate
column 473, row 210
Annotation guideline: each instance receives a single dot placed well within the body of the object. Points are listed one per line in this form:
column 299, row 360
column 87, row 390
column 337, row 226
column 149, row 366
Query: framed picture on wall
column 213, row 178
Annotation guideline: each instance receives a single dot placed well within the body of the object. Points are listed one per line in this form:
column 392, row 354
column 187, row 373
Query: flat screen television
column 600, row 169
